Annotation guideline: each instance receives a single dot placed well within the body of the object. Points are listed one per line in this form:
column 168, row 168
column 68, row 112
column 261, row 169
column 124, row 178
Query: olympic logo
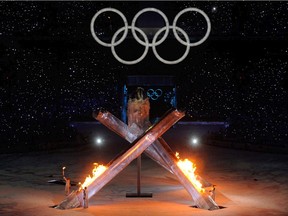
column 146, row 42
column 154, row 94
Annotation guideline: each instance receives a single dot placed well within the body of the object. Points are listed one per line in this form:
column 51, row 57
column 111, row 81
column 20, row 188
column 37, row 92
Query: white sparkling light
column 99, row 141
column 194, row 141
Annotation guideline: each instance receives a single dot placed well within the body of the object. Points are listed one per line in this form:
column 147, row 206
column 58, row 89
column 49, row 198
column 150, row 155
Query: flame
column 96, row 172
column 188, row 169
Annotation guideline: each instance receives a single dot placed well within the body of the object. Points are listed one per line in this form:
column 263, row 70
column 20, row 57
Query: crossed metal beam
column 159, row 152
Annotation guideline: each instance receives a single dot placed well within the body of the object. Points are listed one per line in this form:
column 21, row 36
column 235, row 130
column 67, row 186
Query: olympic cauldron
column 144, row 137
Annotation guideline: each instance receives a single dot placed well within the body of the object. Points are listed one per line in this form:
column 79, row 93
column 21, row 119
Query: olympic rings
column 154, row 94
column 208, row 26
column 175, row 61
column 137, row 60
column 147, row 10
column 93, row 32
column 154, row 43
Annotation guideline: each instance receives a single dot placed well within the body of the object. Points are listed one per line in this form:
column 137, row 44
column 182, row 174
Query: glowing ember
column 96, row 172
column 188, row 169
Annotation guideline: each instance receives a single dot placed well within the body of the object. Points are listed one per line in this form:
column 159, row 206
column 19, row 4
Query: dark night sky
column 52, row 71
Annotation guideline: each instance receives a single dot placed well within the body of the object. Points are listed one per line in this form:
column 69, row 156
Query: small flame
column 177, row 155
column 188, row 169
column 96, row 172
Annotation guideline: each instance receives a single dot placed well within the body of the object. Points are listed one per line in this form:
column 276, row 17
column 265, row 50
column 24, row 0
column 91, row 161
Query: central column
column 138, row 121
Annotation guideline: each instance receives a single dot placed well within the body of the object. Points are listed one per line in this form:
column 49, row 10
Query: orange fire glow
column 188, row 169
column 96, row 172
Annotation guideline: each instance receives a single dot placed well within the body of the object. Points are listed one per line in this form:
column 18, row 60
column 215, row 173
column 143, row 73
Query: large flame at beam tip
column 188, row 169
column 96, row 172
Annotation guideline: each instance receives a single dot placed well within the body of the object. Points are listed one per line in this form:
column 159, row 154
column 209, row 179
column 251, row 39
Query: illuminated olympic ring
column 154, row 94
column 154, row 43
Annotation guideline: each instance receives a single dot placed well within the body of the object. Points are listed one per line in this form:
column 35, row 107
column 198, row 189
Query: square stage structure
column 160, row 89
